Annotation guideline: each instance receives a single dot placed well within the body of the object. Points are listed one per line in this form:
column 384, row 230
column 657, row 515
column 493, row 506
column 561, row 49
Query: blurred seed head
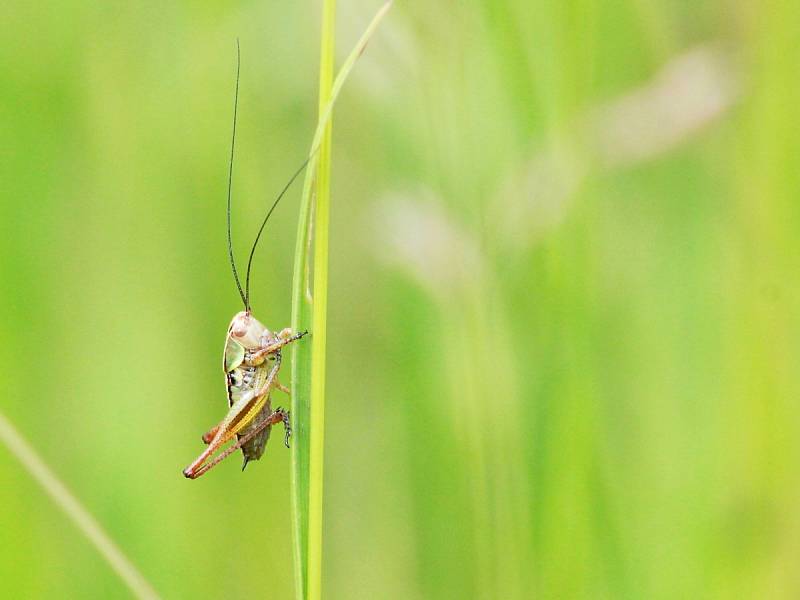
column 536, row 198
column 690, row 92
column 416, row 235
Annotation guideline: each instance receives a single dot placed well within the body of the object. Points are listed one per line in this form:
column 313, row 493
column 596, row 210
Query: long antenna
column 230, row 176
column 264, row 222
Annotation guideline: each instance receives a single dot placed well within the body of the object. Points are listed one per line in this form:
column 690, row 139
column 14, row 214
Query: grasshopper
column 251, row 361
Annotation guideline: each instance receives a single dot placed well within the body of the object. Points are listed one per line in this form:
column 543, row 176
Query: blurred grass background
column 563, row 325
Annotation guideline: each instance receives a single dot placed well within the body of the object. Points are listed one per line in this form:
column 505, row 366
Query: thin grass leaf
column 75, row 511
column 308, row 360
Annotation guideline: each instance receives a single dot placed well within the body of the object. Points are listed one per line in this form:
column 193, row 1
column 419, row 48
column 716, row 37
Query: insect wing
column 234, row 354
column 254, row 448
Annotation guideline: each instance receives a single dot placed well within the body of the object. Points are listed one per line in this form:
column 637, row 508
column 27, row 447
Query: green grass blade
column 308, row 360
column 319, row 310
column 86, row 523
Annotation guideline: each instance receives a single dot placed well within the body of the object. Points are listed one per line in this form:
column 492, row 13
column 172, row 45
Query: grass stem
column 319, row 310
column 310, row 312
column 75, row 511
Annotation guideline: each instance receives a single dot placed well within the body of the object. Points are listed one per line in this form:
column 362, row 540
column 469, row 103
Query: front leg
column 272, row 346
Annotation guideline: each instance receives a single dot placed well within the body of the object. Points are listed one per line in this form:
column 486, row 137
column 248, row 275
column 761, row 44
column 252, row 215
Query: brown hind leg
column 209, row 435
column 279, row 416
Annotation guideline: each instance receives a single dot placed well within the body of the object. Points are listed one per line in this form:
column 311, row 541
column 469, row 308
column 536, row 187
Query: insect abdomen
column 250, row 379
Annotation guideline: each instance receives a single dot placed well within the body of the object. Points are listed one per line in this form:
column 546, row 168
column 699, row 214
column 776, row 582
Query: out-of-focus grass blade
column 308, row 360
column 86, row 523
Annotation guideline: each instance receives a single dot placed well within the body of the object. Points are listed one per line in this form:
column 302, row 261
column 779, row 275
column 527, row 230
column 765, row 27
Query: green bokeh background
column 557, row 369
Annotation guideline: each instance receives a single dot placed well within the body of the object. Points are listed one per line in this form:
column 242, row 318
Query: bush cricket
column 251, row 360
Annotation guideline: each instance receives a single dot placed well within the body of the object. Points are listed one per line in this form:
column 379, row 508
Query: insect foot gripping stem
column 283, row 415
